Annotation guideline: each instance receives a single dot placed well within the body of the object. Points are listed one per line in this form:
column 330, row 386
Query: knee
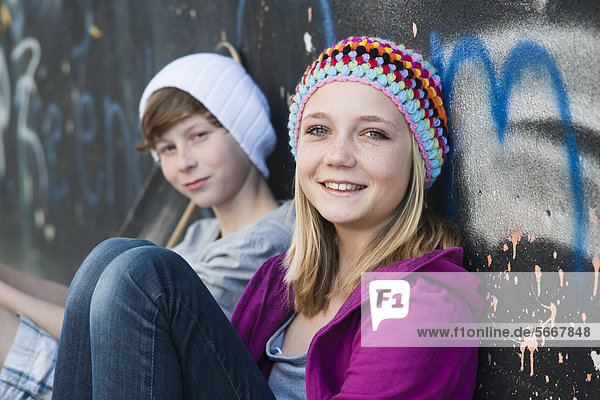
column 109, row 249
column 84, row 283
column 99, row 258
column 139, row 274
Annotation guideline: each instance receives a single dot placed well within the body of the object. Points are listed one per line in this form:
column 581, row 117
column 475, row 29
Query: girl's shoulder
column 446, row 260
column 440, row 288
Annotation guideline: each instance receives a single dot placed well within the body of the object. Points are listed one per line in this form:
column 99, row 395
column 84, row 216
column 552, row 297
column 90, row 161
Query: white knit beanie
column 229, row 93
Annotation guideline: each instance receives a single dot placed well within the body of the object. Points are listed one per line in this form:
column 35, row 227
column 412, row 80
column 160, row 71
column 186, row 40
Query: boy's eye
column 200, row 135
column 376, row 135
column 317, row 131
column 166, row 149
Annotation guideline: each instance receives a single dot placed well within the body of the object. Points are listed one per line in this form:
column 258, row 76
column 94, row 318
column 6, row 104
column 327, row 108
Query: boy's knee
column 100, row 257
column 112, row 247
column 134, row 264
column 147, row 269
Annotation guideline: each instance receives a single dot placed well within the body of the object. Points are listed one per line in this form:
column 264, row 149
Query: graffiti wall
column 68, row 170
column 520, row 81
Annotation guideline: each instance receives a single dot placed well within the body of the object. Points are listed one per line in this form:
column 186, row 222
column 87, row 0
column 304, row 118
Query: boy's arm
column 43, row 289
column 44, row 314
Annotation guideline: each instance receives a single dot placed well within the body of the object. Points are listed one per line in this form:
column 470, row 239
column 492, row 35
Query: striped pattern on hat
column 400, row 73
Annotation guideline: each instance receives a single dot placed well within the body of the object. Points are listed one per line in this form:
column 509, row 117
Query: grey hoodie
column 225, row 265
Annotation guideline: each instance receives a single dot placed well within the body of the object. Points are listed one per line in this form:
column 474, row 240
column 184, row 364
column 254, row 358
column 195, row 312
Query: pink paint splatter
column 515, row 238
column 494, row 302
column 538, row 277
column 553, row 311
column 530, row 344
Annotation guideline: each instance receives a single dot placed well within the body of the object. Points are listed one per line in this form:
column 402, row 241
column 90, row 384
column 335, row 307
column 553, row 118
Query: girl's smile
column 343, row 187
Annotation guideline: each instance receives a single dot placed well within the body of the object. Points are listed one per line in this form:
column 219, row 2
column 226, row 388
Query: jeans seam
column 153, row 356
column 154, row 301
column 206, row 338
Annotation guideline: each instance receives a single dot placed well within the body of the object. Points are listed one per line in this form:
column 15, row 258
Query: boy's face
column 203, row 162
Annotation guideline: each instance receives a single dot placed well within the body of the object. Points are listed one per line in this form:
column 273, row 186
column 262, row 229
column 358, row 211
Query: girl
column 366, row 126
column 208, row 125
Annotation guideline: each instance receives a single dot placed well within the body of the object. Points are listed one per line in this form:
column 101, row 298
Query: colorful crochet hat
column 400, row 73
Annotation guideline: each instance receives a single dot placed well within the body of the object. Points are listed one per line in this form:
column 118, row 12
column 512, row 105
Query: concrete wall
column 521, row 79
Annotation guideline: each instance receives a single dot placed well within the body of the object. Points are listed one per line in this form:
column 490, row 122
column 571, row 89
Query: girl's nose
column 340, row 152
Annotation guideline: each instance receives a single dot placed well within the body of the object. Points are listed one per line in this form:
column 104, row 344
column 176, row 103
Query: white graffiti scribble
column 24, row 88
column 5, row 97
column 308, row 44
column 596, row 359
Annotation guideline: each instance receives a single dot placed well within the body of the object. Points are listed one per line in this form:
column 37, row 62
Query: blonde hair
column 312, row 260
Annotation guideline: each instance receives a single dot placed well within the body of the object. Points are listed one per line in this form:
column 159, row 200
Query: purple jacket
column 338, row 367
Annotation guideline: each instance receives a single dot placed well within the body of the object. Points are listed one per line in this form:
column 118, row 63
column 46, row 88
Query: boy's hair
column 166, row 108
column 312, row 260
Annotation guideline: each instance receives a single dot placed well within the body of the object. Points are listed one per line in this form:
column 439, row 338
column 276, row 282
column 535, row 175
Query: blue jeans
column 140, row 324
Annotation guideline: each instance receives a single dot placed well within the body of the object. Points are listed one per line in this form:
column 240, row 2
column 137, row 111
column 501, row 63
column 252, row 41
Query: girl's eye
column 199, row 135
column 377, row 135
column 317, row 131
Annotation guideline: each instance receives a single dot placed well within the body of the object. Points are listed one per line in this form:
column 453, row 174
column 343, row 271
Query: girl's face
column 354, row 155
column 203, row 162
